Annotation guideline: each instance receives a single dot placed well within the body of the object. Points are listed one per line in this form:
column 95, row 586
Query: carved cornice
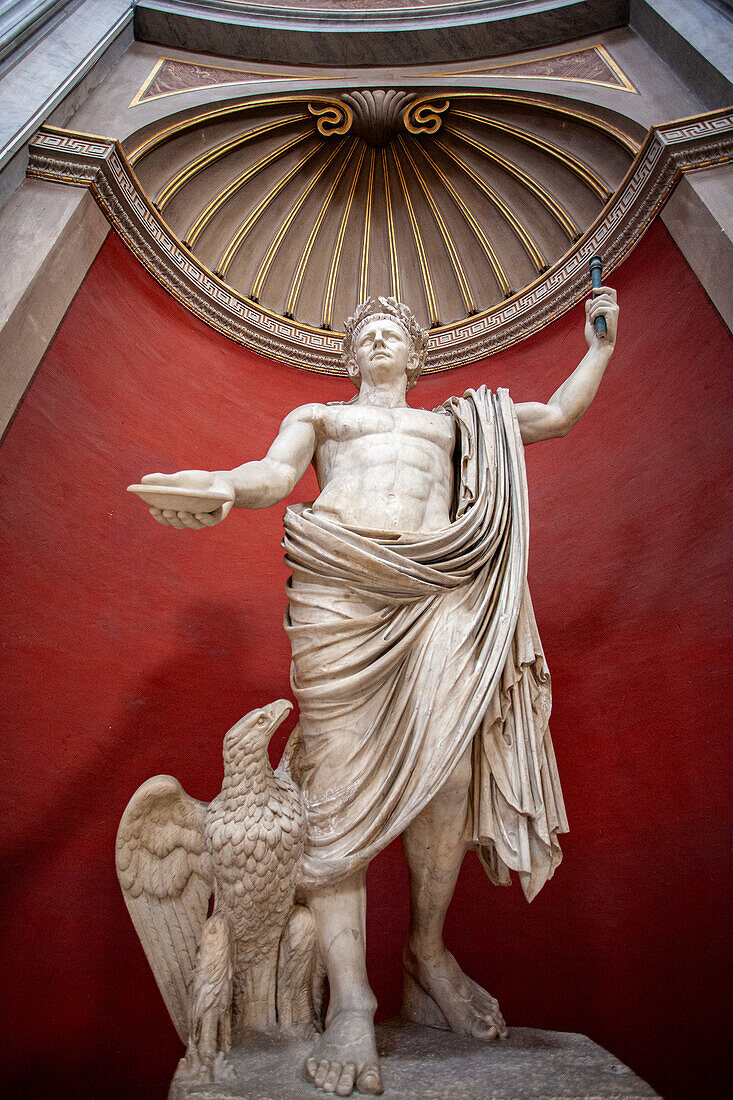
column 99, row 163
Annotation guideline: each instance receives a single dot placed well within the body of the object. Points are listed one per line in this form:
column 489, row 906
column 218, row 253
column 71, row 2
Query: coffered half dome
column 452, row 200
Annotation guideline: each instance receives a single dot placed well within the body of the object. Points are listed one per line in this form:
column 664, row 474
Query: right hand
column 191, row 479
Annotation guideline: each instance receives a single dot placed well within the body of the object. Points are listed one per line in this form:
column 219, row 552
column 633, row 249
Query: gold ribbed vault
column 451, row 201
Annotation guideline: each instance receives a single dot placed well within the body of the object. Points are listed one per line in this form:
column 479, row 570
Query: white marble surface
column 251, row 962
column 414, row 644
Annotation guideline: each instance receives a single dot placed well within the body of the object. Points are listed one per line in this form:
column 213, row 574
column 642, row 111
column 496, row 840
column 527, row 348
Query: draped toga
column 408, row 649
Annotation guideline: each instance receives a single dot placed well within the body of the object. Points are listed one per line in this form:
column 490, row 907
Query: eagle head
column 251, row 734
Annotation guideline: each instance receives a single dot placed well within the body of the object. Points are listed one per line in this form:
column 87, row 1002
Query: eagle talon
column 197, row 1069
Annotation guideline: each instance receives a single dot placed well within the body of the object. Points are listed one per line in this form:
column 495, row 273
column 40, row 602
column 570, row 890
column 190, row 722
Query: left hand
column 603, row 304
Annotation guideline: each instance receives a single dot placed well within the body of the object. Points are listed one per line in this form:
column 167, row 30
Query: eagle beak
column 279, row 710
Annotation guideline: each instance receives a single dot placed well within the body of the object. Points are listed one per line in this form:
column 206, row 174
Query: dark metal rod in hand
column 596, row 279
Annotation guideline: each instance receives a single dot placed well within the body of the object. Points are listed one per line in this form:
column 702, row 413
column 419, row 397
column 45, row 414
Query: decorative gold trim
column 226, row 193
column 423, row 117
column 499, row 273
column 95, row 145
column 607, row 57
column 364, row 266
column 261, row 76
column 458, row 270
column 236, row 242
column 528, row 241
column 422, row 256
column 216, row 153
column 287, row 222
column 394, row 270
column 605, row 127
column 137, row 98
column 558, row 212
column 668, row 151
column 333, row 118
column 582, row 171
column 338, row 246
column 161, row 136
column 297, row 279
column 485, row 70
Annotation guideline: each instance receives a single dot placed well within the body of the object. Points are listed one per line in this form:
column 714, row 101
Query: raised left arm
column 567, row 405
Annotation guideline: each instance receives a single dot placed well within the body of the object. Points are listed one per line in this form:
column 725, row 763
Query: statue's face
column 383, row 351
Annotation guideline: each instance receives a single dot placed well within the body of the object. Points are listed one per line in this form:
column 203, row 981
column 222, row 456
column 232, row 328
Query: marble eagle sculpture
column 211, row 889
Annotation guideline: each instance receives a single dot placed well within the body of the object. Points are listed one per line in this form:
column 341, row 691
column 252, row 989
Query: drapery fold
column 406, row 649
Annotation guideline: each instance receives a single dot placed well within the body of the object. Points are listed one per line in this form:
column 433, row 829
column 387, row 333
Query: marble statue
column 422, row 688
column 255, row 961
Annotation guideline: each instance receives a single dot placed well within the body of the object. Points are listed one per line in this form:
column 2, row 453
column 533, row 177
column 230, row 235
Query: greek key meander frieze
column 670, row 149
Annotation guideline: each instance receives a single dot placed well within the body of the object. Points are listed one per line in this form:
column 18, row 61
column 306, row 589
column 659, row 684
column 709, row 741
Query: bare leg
column 437, row 992
column 345, row 1057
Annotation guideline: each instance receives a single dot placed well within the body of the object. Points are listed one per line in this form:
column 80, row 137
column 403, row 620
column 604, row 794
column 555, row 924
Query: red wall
column 130, row 649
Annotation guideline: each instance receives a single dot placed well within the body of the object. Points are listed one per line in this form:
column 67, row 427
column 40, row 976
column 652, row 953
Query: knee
column 457, row 784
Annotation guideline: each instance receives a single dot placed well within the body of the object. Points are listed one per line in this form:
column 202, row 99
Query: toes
column 369, row 1081
column 321, row 1073
column 484, row 1029
column 345, row 1087
column 332, row 1077
column 311, row 1065
column 499, row 1023
column 490, row 1027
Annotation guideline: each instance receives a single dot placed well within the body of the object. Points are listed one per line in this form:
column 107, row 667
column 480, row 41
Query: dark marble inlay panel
column 593, row 64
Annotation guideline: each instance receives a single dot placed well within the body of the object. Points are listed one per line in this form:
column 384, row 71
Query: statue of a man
column 423, row 693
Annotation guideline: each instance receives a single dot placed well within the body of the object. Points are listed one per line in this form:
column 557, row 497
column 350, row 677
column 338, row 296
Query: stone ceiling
column 452, row 200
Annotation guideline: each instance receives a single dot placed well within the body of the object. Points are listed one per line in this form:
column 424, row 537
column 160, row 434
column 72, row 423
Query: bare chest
column 371, row 437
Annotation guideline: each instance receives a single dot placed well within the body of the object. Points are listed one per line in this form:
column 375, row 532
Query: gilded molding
column 192, row 169
column 99, row 163
column 290, row 217
column 339, row 244
column 315, row 229
column 518, row 228
column 172, row 76
column 236, row 242
column 393, row 267
column 364, row 266
column 424, row 114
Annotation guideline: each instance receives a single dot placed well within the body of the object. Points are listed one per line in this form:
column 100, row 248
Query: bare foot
column 345, row 1057
column 438, row 993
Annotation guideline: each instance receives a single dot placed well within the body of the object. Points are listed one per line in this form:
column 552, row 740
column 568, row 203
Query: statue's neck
column 386, row 395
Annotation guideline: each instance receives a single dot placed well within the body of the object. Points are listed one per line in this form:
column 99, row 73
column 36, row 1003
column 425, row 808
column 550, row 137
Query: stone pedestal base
column 420, row 1063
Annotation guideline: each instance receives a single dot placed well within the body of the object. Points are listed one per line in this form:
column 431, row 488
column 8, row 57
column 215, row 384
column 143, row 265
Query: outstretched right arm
column 255, row 484
column 260, row 484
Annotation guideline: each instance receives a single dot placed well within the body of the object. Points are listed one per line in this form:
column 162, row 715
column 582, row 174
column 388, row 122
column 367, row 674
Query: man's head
column 381, row 339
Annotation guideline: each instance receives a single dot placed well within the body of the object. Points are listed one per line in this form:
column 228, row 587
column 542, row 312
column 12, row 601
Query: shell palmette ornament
column 377, row 115
column 211, row 889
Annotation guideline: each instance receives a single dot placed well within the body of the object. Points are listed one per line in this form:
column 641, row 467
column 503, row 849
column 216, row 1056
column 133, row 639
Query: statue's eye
column 262, row 720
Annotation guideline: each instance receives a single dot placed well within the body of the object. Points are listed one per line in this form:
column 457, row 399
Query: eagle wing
column 166, row 876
